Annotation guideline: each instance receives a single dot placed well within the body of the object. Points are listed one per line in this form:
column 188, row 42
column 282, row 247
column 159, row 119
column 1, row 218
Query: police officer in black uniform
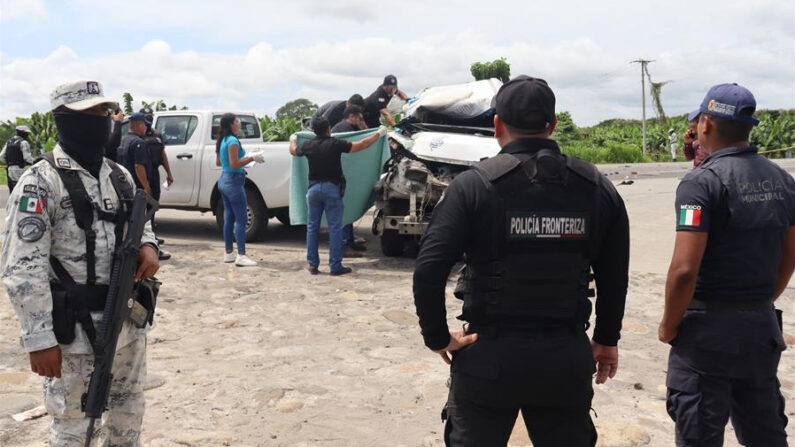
column 132, row 153
column 153, row 140
column 534, row 226
column 16, row 155
column 734, row 255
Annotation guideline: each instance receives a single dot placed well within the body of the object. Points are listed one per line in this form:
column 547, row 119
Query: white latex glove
column 259, row 158
column 382, row 131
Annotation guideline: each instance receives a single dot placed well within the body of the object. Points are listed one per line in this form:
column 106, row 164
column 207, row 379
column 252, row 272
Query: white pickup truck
column 190, row 135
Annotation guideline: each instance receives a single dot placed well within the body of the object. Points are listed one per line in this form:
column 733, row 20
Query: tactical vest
column 533, row 268
column 14, row 152
column 154, row 145
column 71, row 301
column 124, row 156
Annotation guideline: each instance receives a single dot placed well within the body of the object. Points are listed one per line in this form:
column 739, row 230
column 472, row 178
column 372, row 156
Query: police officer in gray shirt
column 733, row 257
column 16, row 155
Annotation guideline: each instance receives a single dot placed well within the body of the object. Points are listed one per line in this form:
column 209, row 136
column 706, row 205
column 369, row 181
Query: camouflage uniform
column 40, row 222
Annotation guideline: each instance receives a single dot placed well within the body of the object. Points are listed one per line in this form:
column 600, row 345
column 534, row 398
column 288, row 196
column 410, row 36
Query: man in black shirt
column 532, row 224
column 734, row 255
column 132, row 153
column 153, row 140
column 333, row 111
column 375, row 104
column 326, row 187
column 352, row 121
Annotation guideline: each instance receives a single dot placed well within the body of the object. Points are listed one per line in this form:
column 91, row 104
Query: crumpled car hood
column 458, row 149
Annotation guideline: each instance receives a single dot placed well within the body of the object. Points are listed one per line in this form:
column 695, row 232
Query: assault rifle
column 120, row 305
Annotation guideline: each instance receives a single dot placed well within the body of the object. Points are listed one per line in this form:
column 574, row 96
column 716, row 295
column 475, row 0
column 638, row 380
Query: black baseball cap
column 390, row 80
column 525, row 103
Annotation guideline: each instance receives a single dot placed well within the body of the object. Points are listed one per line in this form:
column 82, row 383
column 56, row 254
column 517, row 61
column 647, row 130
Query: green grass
column 3, row 179
column 609, row 153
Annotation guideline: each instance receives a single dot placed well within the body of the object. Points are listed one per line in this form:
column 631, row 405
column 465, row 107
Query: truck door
column 183, row 150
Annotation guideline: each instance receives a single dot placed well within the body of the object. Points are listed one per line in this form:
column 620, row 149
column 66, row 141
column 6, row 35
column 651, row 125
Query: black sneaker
column 164, row 256
column 160, row 241
column 341, row 271
column 312, row 269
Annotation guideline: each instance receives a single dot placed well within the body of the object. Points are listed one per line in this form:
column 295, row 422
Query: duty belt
column 492, row 331
column 697, row 304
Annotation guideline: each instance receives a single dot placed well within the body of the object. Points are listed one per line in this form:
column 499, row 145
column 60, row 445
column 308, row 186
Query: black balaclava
column 83, row 137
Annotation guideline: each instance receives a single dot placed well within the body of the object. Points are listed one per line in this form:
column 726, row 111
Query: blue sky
column 257, row 55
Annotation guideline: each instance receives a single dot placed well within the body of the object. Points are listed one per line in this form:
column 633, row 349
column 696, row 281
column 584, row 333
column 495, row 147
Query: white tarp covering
column 457, row 101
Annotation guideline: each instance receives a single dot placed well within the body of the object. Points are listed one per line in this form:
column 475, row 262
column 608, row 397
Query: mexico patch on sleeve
column 29, row 204
column 690, row 215
column 546, row 225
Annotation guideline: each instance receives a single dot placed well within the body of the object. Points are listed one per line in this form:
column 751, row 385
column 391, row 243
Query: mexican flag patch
column 690, row 216
column 31, row 204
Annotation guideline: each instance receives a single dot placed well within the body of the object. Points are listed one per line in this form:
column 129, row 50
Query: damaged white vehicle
column 445, row 131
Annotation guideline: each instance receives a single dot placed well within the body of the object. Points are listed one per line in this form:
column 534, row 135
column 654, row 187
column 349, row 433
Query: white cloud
column 349, row 46
column 23, row 10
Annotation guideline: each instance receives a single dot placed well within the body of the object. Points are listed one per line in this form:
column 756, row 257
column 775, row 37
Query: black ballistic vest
column 154, row 145
column 14, row 152
column 533, row 265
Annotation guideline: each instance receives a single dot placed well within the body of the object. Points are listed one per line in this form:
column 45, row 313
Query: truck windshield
column 249, row 127
column 176, row 129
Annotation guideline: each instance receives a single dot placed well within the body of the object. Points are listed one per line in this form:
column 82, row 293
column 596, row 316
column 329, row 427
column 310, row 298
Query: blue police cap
column 728, row 101
column 137, row 116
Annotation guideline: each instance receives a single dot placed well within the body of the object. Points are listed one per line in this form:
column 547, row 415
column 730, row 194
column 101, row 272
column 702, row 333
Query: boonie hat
column 79, row 96
column 520, row 97
column 138, row 116
column 25, row 129
column 728, row 101
column 390, row 81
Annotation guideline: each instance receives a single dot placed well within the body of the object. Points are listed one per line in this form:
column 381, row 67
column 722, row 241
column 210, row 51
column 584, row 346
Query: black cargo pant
column 546, row 376
column 723, row 365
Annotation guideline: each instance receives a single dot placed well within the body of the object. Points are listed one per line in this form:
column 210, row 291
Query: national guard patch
column 546, row 225
column 33, row 189
column 31, row 229
column 28, row 204
column 108, row 204
column 63, row 163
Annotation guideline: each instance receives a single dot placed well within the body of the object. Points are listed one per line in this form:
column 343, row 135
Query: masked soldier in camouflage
column 16, row 155
column 60, row 236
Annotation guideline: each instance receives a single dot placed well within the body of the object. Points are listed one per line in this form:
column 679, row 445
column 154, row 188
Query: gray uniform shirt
column 15, row 172
column 41, row 222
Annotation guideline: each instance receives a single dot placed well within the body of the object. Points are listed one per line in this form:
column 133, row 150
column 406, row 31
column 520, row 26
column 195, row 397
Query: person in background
column 674, row 145
column 353, row 120
column 326, row 187
column 232, row 158
column 334, row 111
column 692, row 148
column 132, row 153
column 16, row 155
column 375, row 106
column 153, row 141
column 117, row 119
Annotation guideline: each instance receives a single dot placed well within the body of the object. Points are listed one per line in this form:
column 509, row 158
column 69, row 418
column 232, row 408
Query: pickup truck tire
column 257, row 222
column 393, row 244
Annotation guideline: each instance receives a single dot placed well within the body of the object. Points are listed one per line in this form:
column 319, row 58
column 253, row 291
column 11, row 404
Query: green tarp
column 361, row 170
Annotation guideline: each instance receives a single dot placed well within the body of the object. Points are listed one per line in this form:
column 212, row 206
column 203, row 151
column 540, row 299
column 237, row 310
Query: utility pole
column 643, row 64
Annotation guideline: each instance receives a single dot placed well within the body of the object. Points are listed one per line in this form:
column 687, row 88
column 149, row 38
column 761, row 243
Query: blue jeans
column 233, row 192
column 324, row 196
column 347, row 235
